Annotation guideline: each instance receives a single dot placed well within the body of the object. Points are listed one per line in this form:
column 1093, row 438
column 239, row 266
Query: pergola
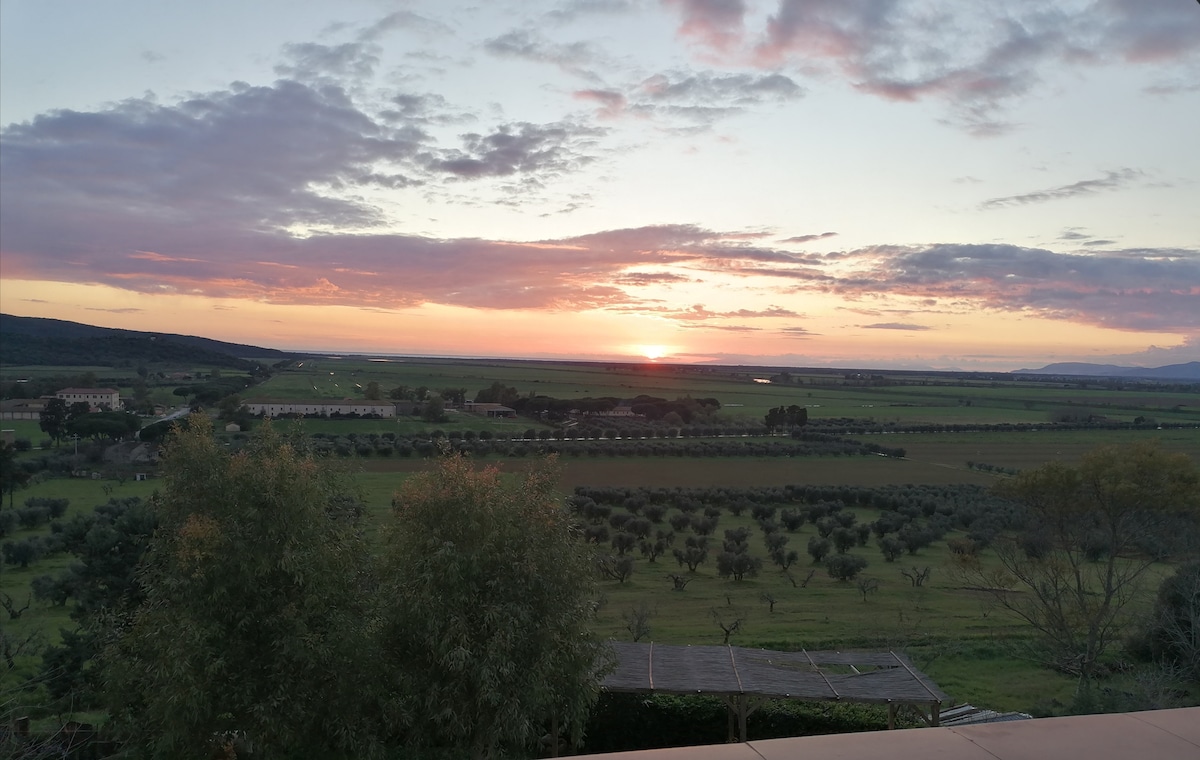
column 745, row 678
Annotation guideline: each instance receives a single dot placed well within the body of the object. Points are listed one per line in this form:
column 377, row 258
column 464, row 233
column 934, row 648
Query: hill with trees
column 37, row 341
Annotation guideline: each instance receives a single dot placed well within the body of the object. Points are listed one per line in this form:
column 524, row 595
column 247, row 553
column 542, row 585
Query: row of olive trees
column 1074, row 545
column 265, row 617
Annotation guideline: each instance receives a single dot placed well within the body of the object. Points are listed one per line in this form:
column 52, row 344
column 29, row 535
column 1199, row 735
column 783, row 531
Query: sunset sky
column 868, row 183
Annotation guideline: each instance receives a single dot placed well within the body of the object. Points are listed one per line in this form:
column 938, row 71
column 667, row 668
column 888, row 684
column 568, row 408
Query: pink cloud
column 612, row 103
column 716, row 24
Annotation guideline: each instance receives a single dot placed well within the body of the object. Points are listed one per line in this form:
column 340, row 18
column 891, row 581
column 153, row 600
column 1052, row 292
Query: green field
column 949, row 631
column 933, row 399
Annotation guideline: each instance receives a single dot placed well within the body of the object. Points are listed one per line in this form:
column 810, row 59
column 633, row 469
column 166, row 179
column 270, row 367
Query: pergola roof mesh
column 873, row 677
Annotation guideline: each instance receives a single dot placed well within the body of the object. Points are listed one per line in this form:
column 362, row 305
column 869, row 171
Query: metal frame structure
column 746, row 678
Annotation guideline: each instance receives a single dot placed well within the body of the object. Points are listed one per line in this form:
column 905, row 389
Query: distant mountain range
column 38, row 341
column 1188, row 371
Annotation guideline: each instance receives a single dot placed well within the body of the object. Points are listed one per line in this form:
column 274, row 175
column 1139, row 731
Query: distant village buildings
column 22, row 409
column 97, row 399
column 94, row 397
column 488, row 410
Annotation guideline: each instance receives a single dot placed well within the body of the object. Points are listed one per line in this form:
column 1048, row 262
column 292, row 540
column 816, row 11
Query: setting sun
column 653, row 352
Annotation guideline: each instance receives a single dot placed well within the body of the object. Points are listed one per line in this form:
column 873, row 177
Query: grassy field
column 933, row 399
column 949, row 631
column 1026, row 450
column 27, row 429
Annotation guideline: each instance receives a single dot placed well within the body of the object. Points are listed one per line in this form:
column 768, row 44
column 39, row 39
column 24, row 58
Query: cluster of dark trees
column 974, row 509
column 216, row 387
column 243, row 610
column 61, row 420
column 792, row 416
column 647, row 409
column 606, row 443
column 911, row 519
column 985, row 467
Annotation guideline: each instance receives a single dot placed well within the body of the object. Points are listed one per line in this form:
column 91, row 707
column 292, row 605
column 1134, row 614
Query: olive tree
column 489, row 595
column 1095, row 523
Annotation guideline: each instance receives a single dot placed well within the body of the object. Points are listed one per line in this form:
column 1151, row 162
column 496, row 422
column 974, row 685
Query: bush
column 818, row 548
column 844, row 567
column 1172, row 632
column 737, row 565
column 891, row 547
column 843, row 539
column 23, row 552
column 32, row 517
column 56, row 507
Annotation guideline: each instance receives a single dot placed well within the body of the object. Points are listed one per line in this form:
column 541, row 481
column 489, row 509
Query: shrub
column 891, row 547
column 23, row 552
column 843, row 539
column 844, row 567
column 32, row 517
column 818, row 548
column 57, row 507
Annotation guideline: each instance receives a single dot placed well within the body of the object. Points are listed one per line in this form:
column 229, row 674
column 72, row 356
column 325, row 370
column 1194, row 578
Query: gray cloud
column 413, row 109
column 641, row 279
column 520, row 148
column 976, row 57
column 1131, row 289
column 698, row 97
column 796, row 332
column 698, row 313
column 260, row 192
column 1141, row 32
column 726, row 328
column 311, row 61
column 705, row 87
column 576, row 58
column 243, row 157
column 402, row 20
column 573, row 10
column 1157, row 356
column 1073, row 233
column 896, row 326
column 1113, row 180
column 809, row 238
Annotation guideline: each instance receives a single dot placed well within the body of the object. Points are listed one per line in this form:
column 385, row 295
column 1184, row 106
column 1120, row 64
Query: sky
column 858, row 183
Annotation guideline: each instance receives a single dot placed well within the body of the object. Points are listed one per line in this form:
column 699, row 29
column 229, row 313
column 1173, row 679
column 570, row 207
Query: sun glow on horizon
column 652, row 352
